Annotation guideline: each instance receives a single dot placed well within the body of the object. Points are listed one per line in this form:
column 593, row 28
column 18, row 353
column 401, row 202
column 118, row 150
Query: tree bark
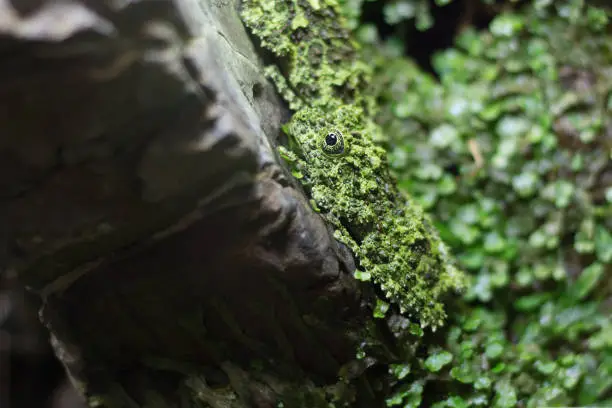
column 141, row 199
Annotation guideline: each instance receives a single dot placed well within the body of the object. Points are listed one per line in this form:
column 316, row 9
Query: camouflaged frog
column 335, row 152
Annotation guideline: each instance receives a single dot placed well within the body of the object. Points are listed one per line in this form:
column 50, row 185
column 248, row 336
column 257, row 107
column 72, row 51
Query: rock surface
column 141, row 199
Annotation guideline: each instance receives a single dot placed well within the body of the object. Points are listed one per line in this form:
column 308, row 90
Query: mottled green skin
column 326, row 84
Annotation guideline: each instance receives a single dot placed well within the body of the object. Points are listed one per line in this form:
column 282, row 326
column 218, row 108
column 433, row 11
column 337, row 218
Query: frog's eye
column 333, row 143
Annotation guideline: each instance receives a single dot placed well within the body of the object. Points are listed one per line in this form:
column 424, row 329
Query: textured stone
column 141, row 198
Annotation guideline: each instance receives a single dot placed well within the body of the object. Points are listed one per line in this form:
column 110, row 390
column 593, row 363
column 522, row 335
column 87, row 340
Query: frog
column 336, row 151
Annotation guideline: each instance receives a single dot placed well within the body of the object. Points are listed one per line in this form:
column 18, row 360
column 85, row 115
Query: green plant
column 510, row 151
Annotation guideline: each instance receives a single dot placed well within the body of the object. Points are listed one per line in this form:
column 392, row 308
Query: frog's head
column 340, row 162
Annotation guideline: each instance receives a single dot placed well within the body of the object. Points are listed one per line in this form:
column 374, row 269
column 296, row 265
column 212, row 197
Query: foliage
column 510, row 151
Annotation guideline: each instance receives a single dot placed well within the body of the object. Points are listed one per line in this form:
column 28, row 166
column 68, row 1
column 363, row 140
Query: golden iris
column 333, row 143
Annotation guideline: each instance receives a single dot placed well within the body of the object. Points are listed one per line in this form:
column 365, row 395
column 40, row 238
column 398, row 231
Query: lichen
column 325, row 82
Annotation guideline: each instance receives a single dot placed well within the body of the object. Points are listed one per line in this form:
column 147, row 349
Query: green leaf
column 482, row 383
column 505, row 394
column 549, row 395
column 577, row 162
column 494, row 242
column 499, row 276
column 398, row 11
column 525, row 184
column 314, row 206
column 413, row 397
column 481, row 288
column 587, row 280
column 594, row 385
column 510, row 129
column 400, row 370
column 564, row 190
column 416, row 330
column 447, row 185
column 584, row 238
column 362, row 275
column 464, row 373
column 506, row 25
column 464, row 232
column 367, row 34
column 437, row 360
column 531, row 302
column 603, row 244
column 538, row 238
column 443, row 136
column 524, row 276
column 473, row 322
column 571, row 376
column 494, row 350
column 583, row 244
column 597, row 17
column 408, row 396
column 468, row 214
column 456, row 402
column 601, row 339
column 545, row 368
column 429, row 171
column 381, row 309
column 424, row 20
column 472, row 259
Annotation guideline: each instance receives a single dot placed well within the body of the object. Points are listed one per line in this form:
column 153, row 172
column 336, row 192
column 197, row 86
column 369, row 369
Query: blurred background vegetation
column 499, row 122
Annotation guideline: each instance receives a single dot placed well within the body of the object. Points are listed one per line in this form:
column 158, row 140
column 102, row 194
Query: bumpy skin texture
column 336, row 155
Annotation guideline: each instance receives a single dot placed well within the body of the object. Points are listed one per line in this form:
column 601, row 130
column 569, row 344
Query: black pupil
column 331, row 139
